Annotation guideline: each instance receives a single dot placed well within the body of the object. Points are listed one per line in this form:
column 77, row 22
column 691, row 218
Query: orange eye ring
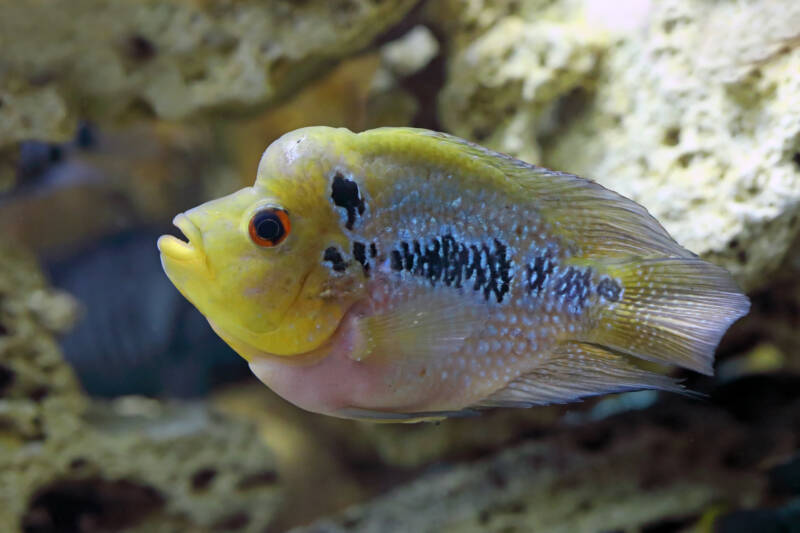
column 269, row 227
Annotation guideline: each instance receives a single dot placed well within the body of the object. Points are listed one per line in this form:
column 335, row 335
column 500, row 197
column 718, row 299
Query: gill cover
column 254, row 261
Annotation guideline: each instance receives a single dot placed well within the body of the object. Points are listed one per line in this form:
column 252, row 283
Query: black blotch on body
column 574, row 286
column 539, row 272
column 446, row 260
column 609, row 289
column 396, row 260
column 334, row 257
column 345, row 194
column 360, row 255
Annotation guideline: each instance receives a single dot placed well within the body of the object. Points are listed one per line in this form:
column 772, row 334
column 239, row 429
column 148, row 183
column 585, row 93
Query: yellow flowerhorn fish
column 402, row 274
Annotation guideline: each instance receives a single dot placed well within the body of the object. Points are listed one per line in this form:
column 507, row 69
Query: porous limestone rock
column 669, row 468
column 178, row 463
column 416, row 445
column 106, row 58
column 71, row 464
column 691, row 108
column 503, row 89
column 39, row 393
column 395, row 445
column 391, row 100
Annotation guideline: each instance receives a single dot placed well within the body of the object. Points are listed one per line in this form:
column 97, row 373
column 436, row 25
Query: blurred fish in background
column 97, row 221
column 105, row 182
column 137, row 334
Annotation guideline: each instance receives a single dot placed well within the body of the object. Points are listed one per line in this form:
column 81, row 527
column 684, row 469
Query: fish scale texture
column 690, row 108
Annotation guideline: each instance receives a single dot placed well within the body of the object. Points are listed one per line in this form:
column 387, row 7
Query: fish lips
column 174, row 248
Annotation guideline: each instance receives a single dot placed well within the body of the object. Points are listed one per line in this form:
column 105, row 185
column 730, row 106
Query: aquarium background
column 120, row 410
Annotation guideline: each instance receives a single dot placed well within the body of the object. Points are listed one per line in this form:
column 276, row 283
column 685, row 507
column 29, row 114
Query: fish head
column 254, row 261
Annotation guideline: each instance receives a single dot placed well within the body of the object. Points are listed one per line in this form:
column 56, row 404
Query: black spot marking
column 455, row 257
column 334, row 257
column 574, row 286
column 609, row 289
column 396, row 260
column 360, row 255
column 539, row 272
column 373, row 250
column 345, row 194
column 443, row 259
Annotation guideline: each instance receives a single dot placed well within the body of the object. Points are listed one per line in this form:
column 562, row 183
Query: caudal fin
column 673, row 311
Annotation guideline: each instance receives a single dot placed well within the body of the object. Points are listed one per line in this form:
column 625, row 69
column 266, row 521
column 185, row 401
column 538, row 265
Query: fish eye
column 269, row 227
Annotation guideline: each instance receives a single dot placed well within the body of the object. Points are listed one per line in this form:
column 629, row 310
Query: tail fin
column 672, row 311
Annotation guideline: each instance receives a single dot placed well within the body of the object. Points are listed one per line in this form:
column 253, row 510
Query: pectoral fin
column 424, row 325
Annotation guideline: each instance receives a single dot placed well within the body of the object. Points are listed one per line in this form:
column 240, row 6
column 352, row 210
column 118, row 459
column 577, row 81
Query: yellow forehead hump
column 298, row 156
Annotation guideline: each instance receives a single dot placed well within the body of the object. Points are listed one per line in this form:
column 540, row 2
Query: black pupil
column 268, row 226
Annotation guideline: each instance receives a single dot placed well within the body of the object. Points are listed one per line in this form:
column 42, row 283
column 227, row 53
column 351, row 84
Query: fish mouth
column 180, row 250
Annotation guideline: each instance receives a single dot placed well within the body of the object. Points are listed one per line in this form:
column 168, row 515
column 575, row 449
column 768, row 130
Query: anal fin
column 577, row 370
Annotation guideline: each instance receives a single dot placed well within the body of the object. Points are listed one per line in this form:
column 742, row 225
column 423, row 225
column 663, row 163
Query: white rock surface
column 691, row 108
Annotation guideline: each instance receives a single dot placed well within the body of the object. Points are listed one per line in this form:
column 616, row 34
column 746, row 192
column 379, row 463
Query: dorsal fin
column 601, row 221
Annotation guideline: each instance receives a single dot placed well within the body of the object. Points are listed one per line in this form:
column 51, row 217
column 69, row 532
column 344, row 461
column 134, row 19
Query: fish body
column 403, row 274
